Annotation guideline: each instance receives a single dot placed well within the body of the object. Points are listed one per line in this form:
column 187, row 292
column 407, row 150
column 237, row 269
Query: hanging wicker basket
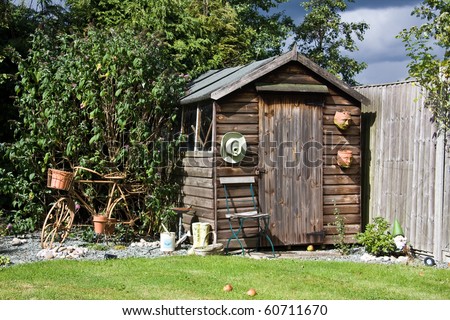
column 59, row 179
column 210, row 249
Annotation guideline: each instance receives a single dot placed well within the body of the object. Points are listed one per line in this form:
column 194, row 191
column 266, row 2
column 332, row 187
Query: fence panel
column 401, row 152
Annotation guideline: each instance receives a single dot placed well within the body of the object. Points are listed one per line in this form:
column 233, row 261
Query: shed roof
column 216, row 84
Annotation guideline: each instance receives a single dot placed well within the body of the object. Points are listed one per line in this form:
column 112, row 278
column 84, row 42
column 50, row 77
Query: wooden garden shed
column 284, row 107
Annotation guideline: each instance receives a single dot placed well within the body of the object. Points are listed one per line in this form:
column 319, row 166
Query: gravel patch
column 27, row 249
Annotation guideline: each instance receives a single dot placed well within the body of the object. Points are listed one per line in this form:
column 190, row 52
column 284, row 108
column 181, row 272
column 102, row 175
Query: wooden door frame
column 312, row 231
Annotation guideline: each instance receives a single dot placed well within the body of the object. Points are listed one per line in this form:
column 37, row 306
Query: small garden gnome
column 399, row 237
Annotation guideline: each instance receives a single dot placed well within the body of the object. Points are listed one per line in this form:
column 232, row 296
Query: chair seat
column 249, row 214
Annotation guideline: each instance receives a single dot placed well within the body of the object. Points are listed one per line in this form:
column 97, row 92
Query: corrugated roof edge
column 195, row 94
column 196, row 85
column 384, row 84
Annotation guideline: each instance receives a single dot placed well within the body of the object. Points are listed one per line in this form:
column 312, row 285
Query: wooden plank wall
column 445, row 228
column 238, row 112
column 402, row 158
column 341, row 187
column 197, row 187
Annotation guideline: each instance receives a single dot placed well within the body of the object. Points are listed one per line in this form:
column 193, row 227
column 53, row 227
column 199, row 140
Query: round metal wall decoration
column 233, row 147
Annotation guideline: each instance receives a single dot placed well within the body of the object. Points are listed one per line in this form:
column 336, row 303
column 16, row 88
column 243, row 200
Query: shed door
column 290, row 186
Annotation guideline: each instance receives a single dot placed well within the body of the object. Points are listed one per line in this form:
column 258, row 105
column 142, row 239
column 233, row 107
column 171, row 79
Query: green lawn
column 202, row 278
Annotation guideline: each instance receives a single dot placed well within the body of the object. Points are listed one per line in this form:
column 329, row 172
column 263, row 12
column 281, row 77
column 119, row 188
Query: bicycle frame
column 60, row 217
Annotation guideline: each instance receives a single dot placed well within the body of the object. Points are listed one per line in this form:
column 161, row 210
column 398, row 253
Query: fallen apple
column 310, row 248
column 251, row 292
column 228, row 287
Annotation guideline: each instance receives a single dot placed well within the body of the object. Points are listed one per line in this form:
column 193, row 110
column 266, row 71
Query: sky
column 384, row 54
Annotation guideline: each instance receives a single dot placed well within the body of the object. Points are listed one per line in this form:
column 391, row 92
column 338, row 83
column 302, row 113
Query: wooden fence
column 406, row 167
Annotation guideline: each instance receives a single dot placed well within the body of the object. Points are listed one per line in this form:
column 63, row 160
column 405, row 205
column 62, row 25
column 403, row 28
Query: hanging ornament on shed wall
column 345, row 158
column 233, row 147
column 342, row 119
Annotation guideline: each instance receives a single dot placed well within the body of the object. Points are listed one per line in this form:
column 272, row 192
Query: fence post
column 439, row 196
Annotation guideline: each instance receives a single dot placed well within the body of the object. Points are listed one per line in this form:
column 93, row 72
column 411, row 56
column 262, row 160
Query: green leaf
column 94, row 138
column 46, row 157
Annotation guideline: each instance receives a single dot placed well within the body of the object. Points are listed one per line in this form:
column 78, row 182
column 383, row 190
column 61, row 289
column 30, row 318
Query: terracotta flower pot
column 342, row 119
column 344, row 158
column 99, row 224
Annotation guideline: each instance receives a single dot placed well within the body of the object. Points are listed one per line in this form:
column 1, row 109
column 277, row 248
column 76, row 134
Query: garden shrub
column 376, row 239
column 102, row 99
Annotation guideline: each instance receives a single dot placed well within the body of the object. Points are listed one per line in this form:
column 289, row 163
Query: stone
column 16, row 242
column 367, row 257
column 402, row 259
column 40, row 254
column 79, row 252
column 49, row 254
column 142, row 243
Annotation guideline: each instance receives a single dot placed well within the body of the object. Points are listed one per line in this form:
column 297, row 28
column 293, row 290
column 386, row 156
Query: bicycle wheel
column 58, row 222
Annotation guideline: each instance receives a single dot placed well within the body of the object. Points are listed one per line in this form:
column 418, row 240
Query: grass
column 202, row 278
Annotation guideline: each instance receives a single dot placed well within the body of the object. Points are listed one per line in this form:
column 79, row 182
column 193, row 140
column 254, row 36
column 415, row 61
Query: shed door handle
column 259, row 171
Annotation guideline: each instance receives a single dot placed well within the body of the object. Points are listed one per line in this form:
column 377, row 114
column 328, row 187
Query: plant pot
column 99, row 224
column 110, row 226
column 342, row 119
column 345, row 158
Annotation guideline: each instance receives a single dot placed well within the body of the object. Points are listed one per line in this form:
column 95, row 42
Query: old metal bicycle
column 73, row 196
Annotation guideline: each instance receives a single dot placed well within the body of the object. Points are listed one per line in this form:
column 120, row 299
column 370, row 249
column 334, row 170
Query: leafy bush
column 103, row 99
column 12, row 223
column 376, row 239
column 4, row 261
